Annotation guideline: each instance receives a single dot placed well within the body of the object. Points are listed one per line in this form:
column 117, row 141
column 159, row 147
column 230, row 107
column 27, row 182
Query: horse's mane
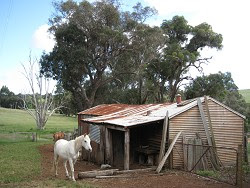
column 78, row 141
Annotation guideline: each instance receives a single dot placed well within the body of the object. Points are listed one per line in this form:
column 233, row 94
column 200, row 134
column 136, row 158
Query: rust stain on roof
column 121, row 109
column 129, row 115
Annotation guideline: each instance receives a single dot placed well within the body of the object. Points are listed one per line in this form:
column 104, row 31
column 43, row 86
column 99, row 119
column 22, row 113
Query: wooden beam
column 107, row 177
column 214, row 158
column 204, row 122
column 102, row 144
column 136, row 170
column 167, row 154
column 115, row 127
column 126, row 149
column 164, row 137
column 209, row 121
column 109, row 149
column 94, row 173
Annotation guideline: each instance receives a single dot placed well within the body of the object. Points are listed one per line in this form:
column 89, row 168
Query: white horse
column 69, row 151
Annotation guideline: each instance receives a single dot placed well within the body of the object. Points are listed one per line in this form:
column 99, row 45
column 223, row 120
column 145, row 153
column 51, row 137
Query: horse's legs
column 78, row 154
column 74, row 161
column 71, row 164
column 56, row 163
column 66, row 170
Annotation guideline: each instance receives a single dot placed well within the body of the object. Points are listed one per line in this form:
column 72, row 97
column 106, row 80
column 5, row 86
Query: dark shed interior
column 145, row 141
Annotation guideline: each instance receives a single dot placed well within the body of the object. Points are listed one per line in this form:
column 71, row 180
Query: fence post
column 33, row 137
column 239, row 173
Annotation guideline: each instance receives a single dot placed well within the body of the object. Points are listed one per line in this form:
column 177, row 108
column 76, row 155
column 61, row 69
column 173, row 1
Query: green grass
column 12, row 120
column 20, row 165
column 246, row 94
column 208, row 173
column 19, row 161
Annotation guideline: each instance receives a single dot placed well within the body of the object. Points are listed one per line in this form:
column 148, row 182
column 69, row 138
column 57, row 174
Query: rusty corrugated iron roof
column 104, row 109
column 121, row 109
column 129, row 115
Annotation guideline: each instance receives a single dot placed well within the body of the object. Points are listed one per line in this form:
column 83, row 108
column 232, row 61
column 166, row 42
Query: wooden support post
column 126, row 149
column 109, row 149
column 209, row 121
column 102, row 145
column 239, row 173
column 214, row 158
column 167, row 154
column 204, row 121
column 164, row 137
column 171, row 160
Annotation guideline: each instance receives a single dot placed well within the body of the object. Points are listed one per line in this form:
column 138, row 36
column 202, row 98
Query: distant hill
column 246, row 94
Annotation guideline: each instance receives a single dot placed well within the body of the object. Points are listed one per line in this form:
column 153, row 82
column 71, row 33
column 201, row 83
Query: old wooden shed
column 121, row 133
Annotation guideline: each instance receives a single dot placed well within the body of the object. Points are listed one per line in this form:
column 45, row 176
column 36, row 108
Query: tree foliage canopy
column 221, row 87
column 8, row 99
column 104, row 54
column 93, row 43
column 182, row 50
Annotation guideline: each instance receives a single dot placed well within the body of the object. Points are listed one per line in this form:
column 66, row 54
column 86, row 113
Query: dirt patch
column 148, row 180
column 47, row 164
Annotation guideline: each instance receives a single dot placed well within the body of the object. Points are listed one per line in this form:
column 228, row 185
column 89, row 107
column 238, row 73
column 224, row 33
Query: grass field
column 20, row 161
column 12, row 120
column 246, row 94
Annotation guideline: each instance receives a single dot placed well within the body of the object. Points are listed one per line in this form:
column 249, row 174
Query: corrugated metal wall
column 227, row 127
column 228, row 131
column 94, row 132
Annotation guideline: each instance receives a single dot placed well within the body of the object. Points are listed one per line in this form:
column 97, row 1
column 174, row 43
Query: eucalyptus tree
column 94, row 43
column 182, row 51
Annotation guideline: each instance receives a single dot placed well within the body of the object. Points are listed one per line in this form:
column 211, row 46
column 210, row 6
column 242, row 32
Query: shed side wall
column 227, row 128
column 228, row 131
column 189, row 123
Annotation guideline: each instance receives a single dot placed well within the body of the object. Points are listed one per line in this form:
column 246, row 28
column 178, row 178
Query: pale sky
column 24, row 24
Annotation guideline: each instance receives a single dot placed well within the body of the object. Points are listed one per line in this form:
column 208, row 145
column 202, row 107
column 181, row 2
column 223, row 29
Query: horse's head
column 86, row 142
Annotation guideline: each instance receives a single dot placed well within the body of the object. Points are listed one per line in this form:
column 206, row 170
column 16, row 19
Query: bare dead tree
column 41, row 99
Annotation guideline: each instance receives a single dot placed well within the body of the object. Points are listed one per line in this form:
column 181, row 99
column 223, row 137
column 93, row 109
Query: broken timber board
column 214, row 158
column 135, row 170
column 167, row 154
column 94, row 173
column 204, row 121
column 106, row 177
column 164, row 137
column 210, row 122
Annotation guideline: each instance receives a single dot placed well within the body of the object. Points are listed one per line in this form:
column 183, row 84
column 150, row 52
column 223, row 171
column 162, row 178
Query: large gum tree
column 94, row 43
column 183, row 46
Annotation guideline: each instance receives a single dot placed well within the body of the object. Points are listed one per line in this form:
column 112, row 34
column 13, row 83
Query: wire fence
column 223, row 164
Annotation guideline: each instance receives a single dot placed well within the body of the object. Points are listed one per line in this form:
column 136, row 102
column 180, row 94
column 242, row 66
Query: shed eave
column 128, row 120
column 228, row 108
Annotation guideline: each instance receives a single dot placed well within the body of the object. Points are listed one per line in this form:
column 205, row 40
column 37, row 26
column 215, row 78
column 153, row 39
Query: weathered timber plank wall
column 227, row 127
